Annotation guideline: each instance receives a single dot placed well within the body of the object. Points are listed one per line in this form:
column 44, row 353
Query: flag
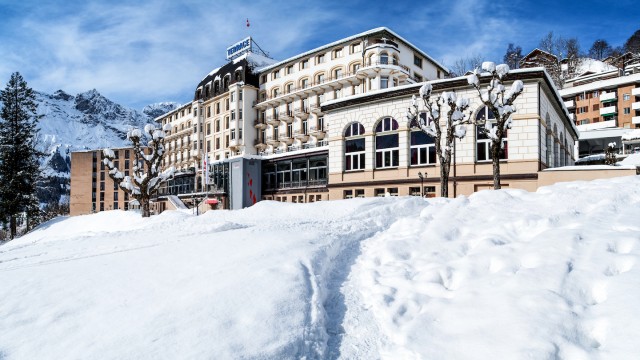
column 205, row 169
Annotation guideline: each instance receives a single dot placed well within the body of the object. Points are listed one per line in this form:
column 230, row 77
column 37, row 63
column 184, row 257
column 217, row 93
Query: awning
column 212, row 201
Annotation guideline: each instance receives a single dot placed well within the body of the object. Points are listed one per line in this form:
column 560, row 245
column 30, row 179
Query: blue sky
column 140, row 52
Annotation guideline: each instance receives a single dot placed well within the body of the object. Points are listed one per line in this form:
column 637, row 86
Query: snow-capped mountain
column 85, row 121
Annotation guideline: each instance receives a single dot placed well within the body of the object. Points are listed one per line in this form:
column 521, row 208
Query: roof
column 351, row 38
column 601, row 84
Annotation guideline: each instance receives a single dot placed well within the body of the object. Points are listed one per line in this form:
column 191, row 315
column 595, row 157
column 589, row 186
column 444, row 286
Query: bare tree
column 633, row 43
column 500, row 103
column 146, row 177
column 430, row 124
column 600, row 49
column 463, row 65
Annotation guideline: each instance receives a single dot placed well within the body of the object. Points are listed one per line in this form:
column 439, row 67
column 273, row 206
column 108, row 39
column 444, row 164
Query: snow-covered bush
column 146, row 177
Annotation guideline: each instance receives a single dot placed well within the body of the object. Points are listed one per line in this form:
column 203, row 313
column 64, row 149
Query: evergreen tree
column 19, row 169
column 513, row 56
column 633, row 43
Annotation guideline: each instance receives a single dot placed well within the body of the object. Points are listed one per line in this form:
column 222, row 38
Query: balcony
column 372, row 68
column 273, row 120
column 259, row 124
column 286, row 116
column 316, row 109
column 285, row 139
column 298, row 134
column 636, row 91
column 635, row 120
column 258, row 143
column 609, row 96
column 609, row 110
column 598, row 125
column 636, row 105
column 302, row 112
column 235, row 142
column 572, row 117
column 272, row 140
column 570, row 104
column 315, row 131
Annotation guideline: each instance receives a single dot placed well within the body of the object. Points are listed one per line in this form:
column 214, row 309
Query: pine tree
column 19, row 168
column 513, row 56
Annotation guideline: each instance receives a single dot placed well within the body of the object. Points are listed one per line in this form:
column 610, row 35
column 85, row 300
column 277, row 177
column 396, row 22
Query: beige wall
column 85, row 193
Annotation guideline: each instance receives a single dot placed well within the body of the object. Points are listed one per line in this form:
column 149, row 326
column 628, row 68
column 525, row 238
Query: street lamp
column 422, row 182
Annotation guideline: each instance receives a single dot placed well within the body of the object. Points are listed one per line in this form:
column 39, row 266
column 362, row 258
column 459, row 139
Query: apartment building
column 91, row 188
column 603, row 104
column 374, row 151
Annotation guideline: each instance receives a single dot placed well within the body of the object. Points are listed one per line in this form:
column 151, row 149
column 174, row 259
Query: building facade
column 92, row 190
column 373, row 151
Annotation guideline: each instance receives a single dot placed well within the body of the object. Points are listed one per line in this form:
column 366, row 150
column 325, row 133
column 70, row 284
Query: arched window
column 320, row 78
column 423, row 147
column 548, row 140
column 275, row 92
column 483, row 142
column 387, row 150
column 384, row 58
column 238, row 76
column 354, row 147
column 337, row 73
column 206, row 91
column 395, row 59
column 225, row 83
column 216, row 87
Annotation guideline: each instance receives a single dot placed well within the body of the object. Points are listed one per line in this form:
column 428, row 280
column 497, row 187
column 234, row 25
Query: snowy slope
column 497, row 275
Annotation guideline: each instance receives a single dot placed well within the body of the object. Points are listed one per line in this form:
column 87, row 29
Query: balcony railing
column 309, row 85
column 635, row 120
column 609, row 96
column 570, row 104
column 636, row 91
column 388, row 62
column 608, row 110
column 301, row 184
column 636, row 105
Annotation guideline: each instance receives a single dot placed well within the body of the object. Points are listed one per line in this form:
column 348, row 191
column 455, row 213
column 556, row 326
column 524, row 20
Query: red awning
column 212, row 201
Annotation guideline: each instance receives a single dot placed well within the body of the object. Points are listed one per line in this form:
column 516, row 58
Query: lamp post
column 421, row 182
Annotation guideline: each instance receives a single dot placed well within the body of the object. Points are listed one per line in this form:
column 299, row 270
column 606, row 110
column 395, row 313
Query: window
column 289, row 88
column 483, row 142
column 354, row 148
column 378, row 192
column 233, row 115
column 337, row 53
column 304, row 83
column 217, row 108
column 355, row 67
column 359, row 193
column 305, row 127
column 320, row 59
column 384, row 82
column 387, row 150
column 627, row 111
column 348, row 194
column 275, row 75
column 423, row 149
column 289, row 69
column 337, row 93
column 240, row 114
column 393, row 191
column 232, row 95
column 355, row 48
column 384, row 58
column 417, row 61
column 217, row 125
column 321, row 123
column 208, row 128
column 337, row 73
column 226, row 105
column 595, row 93
column 417, row 77
column 240, row 95
column 226, row 122
column 276, row 92
column 304, row 64
column 626, row 97
column 320, row 78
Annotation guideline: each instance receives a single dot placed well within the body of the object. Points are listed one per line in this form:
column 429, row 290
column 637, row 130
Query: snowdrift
column 497, row 275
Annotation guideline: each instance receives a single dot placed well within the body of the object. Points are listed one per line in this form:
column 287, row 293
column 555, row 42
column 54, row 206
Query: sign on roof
column 239, row 48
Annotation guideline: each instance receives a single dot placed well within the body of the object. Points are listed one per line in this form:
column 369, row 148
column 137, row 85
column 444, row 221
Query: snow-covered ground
column 497, row 275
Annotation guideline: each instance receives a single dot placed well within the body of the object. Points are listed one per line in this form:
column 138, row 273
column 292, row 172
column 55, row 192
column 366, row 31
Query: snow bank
column 497, row 275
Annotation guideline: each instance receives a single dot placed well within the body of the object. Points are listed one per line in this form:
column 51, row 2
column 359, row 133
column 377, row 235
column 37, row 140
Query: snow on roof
column 602, row 133
column 631, row 135
column 350, row 38
column 600, row 84
column 592, row 168
column 258, row 61
column 593, row 65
